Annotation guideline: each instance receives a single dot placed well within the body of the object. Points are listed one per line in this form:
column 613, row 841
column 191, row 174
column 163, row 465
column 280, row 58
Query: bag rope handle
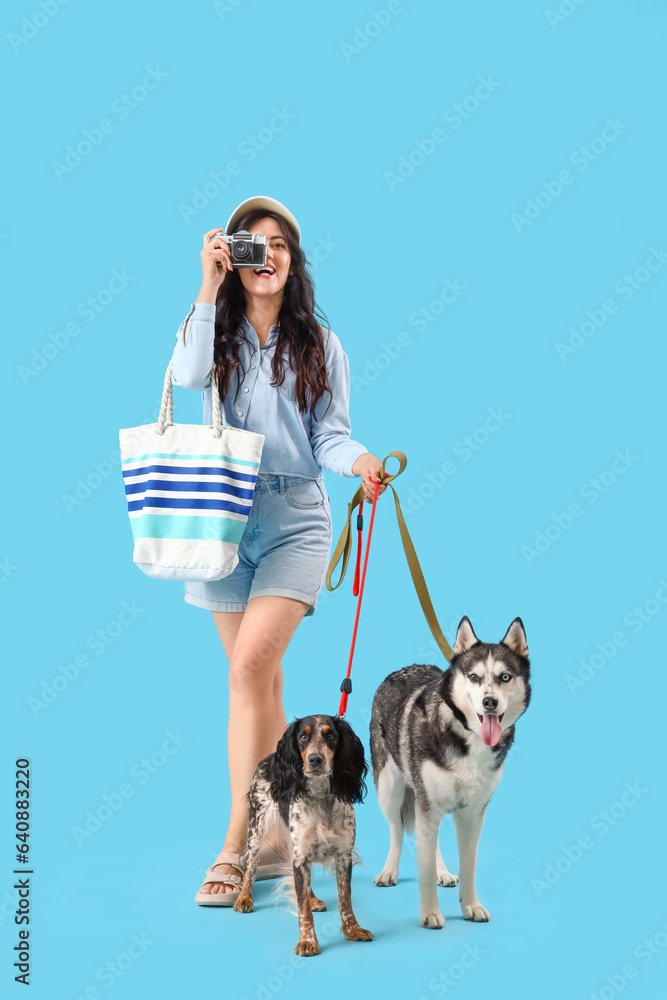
column 167, row 404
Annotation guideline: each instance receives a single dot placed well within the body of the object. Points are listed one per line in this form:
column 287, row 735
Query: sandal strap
column 226, row 878
column 229, row 858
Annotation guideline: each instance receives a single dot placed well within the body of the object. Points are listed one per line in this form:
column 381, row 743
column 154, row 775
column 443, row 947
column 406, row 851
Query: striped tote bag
column 189, row 490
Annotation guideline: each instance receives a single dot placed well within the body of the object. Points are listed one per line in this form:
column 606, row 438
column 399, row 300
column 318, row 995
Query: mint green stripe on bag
column 188, row 527
column 159, row 454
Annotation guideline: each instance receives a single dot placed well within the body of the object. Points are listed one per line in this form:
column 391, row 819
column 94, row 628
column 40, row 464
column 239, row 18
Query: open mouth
column 490, row 730
column 265, row 272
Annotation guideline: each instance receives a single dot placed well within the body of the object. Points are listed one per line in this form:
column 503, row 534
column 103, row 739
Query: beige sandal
column 227, row 878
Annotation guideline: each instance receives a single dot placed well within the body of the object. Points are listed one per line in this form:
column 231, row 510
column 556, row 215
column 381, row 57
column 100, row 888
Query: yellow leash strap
column 344, row 547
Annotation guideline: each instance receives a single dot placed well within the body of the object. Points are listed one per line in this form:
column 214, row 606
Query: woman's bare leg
column 255, row 641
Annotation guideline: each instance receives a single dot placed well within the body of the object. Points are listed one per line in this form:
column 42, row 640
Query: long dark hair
column 300, row 340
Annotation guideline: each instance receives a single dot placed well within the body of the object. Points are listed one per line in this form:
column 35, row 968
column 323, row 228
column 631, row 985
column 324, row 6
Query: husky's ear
column 515, row 638
column 465, row 636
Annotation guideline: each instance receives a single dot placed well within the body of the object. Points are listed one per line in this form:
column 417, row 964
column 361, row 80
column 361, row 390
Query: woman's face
column 257, row 281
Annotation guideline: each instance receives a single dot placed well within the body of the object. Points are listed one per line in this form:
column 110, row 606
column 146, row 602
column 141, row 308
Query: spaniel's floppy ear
column 288, row 780
column 350, row 767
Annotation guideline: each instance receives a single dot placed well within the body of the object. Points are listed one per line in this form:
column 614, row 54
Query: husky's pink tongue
column 490, row 730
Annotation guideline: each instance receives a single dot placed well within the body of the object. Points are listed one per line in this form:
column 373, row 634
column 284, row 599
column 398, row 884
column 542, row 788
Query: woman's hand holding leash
column 369, row 467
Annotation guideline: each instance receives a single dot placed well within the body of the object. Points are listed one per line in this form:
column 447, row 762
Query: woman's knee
column 252, row 671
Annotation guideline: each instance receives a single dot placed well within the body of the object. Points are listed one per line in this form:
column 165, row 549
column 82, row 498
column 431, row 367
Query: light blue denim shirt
column 295, row 443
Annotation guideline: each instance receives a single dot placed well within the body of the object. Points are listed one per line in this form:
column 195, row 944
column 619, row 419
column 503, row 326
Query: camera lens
column 241, row 250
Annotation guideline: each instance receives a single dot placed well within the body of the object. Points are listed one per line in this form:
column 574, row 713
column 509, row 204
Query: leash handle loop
column 344, row 544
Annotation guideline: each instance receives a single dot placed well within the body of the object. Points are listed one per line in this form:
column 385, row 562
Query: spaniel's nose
column 315, row 759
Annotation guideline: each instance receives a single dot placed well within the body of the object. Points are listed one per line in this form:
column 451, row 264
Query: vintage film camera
column 246, row 249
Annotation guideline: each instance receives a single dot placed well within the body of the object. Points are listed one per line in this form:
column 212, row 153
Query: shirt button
column 240, row 413
column 252, row 366
column 245, row 389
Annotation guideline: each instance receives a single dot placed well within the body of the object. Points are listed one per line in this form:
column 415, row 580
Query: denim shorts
column 285, row 548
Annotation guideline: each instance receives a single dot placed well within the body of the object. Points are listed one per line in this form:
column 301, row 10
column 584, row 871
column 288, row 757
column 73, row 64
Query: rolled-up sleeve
column 330, row 434
column 193, row 358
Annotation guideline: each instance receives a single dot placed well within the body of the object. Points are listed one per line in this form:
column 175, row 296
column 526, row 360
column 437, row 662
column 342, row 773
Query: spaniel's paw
column 357, row 933
column 244, row 904
column 307, row 947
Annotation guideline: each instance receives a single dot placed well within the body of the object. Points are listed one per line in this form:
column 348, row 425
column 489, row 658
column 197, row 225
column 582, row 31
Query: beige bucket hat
column 271, row 205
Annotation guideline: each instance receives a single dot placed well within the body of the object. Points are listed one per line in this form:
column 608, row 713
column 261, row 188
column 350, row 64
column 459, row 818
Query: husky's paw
column 446, row 878
column 386, row 878
column 475, row 911
column 435, row 920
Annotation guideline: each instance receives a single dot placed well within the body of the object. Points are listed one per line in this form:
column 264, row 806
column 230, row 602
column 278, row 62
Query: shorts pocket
column 305, row 495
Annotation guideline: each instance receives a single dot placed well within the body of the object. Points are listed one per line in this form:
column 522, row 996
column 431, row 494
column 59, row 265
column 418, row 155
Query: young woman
column 283, row 375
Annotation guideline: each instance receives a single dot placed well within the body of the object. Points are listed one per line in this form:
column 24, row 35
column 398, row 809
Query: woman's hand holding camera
column 216, row 261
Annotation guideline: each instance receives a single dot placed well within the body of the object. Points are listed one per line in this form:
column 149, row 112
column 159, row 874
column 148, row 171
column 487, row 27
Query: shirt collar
column 273, row 332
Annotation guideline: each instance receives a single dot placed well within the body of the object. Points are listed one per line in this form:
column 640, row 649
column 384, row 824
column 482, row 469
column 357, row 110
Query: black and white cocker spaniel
column 309, row 786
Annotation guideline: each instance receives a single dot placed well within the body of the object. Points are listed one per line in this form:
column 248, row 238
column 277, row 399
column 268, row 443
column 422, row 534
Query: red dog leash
column 344, row 548
column 357, row 589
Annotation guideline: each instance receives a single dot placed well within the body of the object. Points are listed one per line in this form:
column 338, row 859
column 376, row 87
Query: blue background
column 360, row 100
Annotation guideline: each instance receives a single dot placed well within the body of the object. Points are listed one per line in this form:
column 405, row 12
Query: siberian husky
column 438, row 743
